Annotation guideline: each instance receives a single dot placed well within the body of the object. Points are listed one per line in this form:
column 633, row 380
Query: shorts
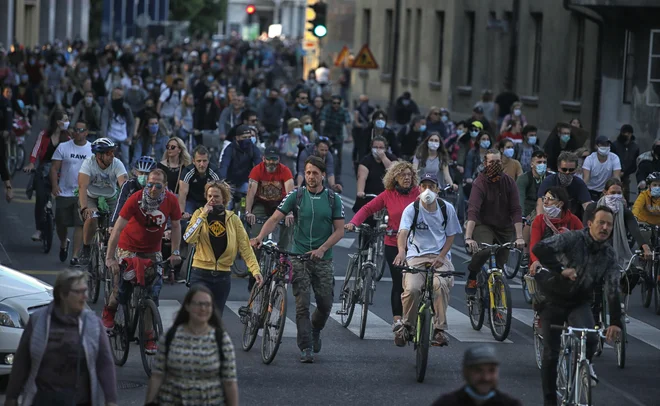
column 67, row 212
column 93, row 203
column 126, row 287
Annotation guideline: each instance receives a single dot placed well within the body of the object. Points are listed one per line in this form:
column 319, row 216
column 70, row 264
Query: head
column 307, row 124
column 150, row 104
column 564, row 132
column 322, row 146
column 434, row 114
column 199, row 308
column 238, row 102
column 201, row 159
column 302, row 99
column 7, row 92
column 484, row 140
column 539, row 162
column 461, row 128
column 567, row 163
column 418, row 123
column 378, row 145
column 379, row 119
column 336, row 102
column 529, row 134
column 476, row 129
column 400, row 174
column 493, row 157
column 218, row 193
column 626, row 133
column 575, row 122
column 481, row 369
column 243, row 137
column 506, row 147
column 295, row 127
column 70, row 291
column 177, row 84
column 601, row 223
column 555, row 201
column 478, row 113
column 176, row 147
column 363, row 99
column 117, row 93
column 516, row 109
column 613, row 186
column 318, row 102
column 429, row 182
column 59, row 120
column 80, row 132
column 189, row 100
column 156, row 183
column 314, row 171
column 271, row 159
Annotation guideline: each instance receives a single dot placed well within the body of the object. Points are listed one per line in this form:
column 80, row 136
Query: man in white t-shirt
column 429, row 240
column 169, row 100
column 599, row 167
column 101, row 175
column 67, row 160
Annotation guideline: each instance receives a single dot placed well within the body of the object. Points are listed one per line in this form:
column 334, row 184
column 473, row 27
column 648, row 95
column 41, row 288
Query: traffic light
column 250, row 10
column 319, row 29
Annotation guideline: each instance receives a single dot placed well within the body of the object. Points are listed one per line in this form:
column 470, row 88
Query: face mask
column 565, row 179
column 485, row 144
column 459, row 133
column 115, row 69
column 253, row 139
column 65, row 125
column 428, row 196
column 474, row 134
column 89, row 100
column 150, row 86
column 493, row 171
column 153, row 128
column 380, row 123
column 297, row 131
column 245, row 144
column 517, row 112
column 444, row 119
column 302, row 106
column 479, row 398
column 158, row 81
column 531, row 140
column 433, row 146
column 308, row 128
column 142, row 180
column 210, row 78
column 565, row 137
column 422, row 128
column 135, row 87
column 552, row 211
column 655, row 191
column 612, row 201
column 375, row 152
column 541, row 168
column 508, row 152
column 603, row 151
column 218, row 209
column 406, row 102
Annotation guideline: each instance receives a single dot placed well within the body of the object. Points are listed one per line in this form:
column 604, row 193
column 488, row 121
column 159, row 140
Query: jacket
column 94, row 122
column 627, row 154
column 127, row 189
column 647, row 208
column 552, row 148
column 237, row 240
column 107, row 114
column 236, row 164
column 647, row 165
column 540, row 229
column 461, row 398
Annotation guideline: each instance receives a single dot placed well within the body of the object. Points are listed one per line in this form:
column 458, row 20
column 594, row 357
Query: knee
column 414, row 291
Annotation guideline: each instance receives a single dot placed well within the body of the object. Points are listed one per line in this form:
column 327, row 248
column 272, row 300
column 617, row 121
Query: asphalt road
column 373, row 371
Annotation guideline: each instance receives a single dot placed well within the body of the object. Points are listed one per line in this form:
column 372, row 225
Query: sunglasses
column 567, row 170
column 336, row 104
column 158, row 186
column 80, row 130
column 172, row 146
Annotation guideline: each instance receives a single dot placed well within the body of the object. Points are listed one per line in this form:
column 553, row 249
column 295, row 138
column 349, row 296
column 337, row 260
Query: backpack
column 413, row 226
column 299, row 197
column 169, row 336
column 171, row 93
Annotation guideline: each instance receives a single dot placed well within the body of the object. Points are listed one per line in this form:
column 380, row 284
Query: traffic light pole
column 395, row 58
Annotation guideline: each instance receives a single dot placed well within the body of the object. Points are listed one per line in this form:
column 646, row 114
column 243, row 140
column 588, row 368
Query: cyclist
column 578, row 194
column 647, row 205
column 238, row 159
column 138, row 233
column 141, row 169
column 577, row 261
column 67, row 160
column 528, row 185
column 400, row 190
column 371, row 170
column 426, row 235
column 319, row 226
column 192, row 182
column 492, row 209
column 101, row 175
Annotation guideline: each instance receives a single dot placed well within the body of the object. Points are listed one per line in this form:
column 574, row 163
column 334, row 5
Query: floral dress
column 194, row 372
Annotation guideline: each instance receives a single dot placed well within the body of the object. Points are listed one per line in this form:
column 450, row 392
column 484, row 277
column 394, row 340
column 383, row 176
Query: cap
column 272, row 152
column 478, row 125
column 429, row 177
column 627, row 128
column 478, row 109
column 479, row 355
column 243, row 129
column 601, row 139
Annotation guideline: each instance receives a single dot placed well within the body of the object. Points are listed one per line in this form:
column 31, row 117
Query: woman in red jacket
column 401, row 189
column 556, row 219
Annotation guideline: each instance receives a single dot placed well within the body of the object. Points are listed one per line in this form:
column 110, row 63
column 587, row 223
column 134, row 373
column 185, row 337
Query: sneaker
column 151, row 346
column 36, row 236
column 316, row 340
column 108, row 317
column 306, row 356
column 400, row 338
column 64, row 252
column 397, row 325
column 85, row 253
column 439, row 339
column 594, row 377
column 471, row 287
column 74, row 262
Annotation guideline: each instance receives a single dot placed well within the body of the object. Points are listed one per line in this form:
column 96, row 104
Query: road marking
column 290, row 330
column 347, row 201
column 168, row 310
column 376, row 329
column 346, row 242
column 461, row 329
column 24, row 201
column 643, row 332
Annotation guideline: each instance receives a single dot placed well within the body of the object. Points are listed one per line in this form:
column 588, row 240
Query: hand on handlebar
column 255, row 242
column 174, row 260
column 28, row 168
column 112, row 264
column 349, row 226
column 400, row 259
column 438, row 261
column 471, row 246
column 612, row 332
column 569, row 273
column 250, row 218
column 360, row 194
column 520, row 243
column 532, row 269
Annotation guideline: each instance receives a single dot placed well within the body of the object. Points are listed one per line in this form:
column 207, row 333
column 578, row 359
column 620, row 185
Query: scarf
column 148, row 203
column 494, row 171
column 402, row 190
column 619, row 236
column 565, row 179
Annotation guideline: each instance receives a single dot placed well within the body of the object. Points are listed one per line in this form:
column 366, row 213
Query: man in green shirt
column 319, row 226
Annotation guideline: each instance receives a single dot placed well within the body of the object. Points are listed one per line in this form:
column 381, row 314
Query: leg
column 62, row 219
column 40, row 201
column 259, row 211
column 323, row 283
column 580, row 316
column 397, row 283
column 482, row 233
column 502, row 255
column 441, row 289
column 222, row 293
column 551, row 346
column 301, row 292
column 412, row 290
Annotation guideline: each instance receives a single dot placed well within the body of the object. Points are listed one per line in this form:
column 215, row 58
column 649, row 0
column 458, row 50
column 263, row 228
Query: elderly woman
column 64, row 355
column 219, row 235
column 400, row 190
column 196, row 363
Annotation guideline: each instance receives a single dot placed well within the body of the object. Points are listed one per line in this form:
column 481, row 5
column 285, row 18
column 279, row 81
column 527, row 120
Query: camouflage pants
column 319, row 276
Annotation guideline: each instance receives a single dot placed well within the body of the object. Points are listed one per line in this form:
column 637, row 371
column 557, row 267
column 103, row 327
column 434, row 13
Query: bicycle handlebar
column 366, row 228
column 271, row 248
column 572, row 330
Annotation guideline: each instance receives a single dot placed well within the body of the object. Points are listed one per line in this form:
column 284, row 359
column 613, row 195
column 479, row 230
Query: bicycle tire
column 20, row 157
column 562, row 381
column 157, row 325
column 620, row 344
column 252, row 323
column 107, row 284
column 93, row 281
column 584, row 387
column 497, row 295
column 239, row 267
column 646, row 291
column 268, row 354
column 538, row 345
column 476, row 310
column 525, row 291
column 47, row 232
column 422, row 345
column 119, row 338
column 367, row 272
column 348, row 293
column 133, row 306
column 380, row 259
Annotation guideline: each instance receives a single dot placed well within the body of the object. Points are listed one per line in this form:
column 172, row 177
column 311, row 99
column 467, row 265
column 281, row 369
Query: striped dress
column 193, row 372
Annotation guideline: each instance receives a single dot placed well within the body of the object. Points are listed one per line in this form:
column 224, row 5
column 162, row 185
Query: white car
column 20, row 296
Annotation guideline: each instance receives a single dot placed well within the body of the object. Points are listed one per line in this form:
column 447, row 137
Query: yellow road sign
column 365, row 59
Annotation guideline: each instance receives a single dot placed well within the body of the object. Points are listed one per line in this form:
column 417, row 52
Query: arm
column 225, row 162
column 155, row 383
column 522, row 183
column 270, row 224
column 446, row 174
column 362, row 174
column 535, row 236
column 336, row 235
column 633, row 227
column 37, row 146
column 231, row 392
column 77, row 113
column 137, row 127
column 449, row 242
column 288, row 186
column 617, row 174
column 402, row 242
column 176, row 235
column 549, row 249
column 105, row 368
column 21, row 367
column 639, row 206
column 83, row 183
column 125, row 193
column 195, row 226
column 586, row 175
column 183, row 195
column 130, row 122
column 515, row 211
column 377, row 204
column 121, row 179
column 54, row 170
column 253, row 185
column 114, row 237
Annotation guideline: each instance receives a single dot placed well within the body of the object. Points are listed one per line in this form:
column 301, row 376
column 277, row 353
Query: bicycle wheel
column 93, row 280
column 47, row 232
column 645, row 289
column 148, row 307
column 380, row 259
column 133, row 306
column 252, row 322
column 20, row 157
column 538, row 344
column 107, row 284
column 513, row 263
column 620, row 344
column 119, row 338
column 563, row 366
column 348, row 292
column 367, row 292
column 422, row 342
column 583, row 394
column 239, row 267
column 476, row 309
column 274, row 324
column 500, row 309
column 525, row 291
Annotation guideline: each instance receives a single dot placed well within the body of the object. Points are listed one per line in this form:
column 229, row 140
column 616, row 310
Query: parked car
column 20, row 296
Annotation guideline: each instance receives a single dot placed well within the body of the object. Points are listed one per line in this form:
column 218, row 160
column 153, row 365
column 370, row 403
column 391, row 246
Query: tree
column 202, row 14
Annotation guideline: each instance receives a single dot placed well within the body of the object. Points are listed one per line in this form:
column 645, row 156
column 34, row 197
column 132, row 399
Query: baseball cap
column 601, row 140
column 429, row 177
column 478, row 109
column 243, row 129
column 479, row 355
column 271, row 153
column 478, row 125
column 627, row 128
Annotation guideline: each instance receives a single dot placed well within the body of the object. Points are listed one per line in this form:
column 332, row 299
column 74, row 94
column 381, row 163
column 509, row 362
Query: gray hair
column 65, row 280
column 567, row 156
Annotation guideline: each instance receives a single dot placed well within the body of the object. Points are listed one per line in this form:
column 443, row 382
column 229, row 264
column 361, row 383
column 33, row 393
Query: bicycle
column 650, row 278
column 96, row 268
column 573, row 368
column 268, row 303
column 421, row 337
column 494, row 294
column 133, row 314
column 381, row 218
column 359, row 285
column 537, row 297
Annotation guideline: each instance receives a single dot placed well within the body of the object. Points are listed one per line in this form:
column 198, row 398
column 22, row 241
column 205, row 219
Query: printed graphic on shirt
column 155, row 220
column 270, row 191
column 422, row 225
column 217, row 228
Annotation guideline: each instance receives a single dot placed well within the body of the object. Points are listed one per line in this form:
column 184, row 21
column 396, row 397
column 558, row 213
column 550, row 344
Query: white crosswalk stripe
column 290, row 330
column 460, row 328
column 376, row 329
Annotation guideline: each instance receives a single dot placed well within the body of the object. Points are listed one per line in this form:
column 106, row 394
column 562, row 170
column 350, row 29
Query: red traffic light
column 250, row 9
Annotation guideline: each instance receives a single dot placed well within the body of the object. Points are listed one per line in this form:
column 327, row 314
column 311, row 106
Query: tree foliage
column 202, row 14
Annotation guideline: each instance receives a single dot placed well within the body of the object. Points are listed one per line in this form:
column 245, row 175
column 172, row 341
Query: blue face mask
column 481, row 398
column 485, row 144
column 253, row 139
column 210, row 78
column 153, row 128
column 245, row 144
column 531, row 140
column 565, row 137
column 297, row 131
column 422, row 128
column 380, row 123
column 444, row 119
column 655, row 191
column 474, row 134
column 459, row 133
column 302, row 106
column 541, row 168
column 508, row 152
column 308, row 128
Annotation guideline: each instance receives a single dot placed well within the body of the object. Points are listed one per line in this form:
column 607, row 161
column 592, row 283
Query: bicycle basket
column 513, row 263
column 532, row 288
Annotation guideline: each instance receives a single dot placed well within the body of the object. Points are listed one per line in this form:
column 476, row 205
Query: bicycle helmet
column 145, row 164
column 103, row 145
column 653, row 177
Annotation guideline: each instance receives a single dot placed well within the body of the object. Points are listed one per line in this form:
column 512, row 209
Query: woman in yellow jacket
column 647, row 206
column 219, row 234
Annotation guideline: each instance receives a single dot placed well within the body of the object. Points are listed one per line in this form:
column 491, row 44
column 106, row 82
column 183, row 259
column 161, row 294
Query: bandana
column 148, row 203
column 494, row 171
column 565, row 179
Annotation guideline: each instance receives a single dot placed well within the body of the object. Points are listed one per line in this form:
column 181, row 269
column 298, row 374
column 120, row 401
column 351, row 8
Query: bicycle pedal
column 341, row 312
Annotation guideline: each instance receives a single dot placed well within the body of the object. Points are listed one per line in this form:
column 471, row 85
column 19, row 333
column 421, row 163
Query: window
column 579, row 59
column 366, row 26
column 538, row 43
column 406, row 40
column 652, row 96
column 628, row 67
column 439, row 38
column 417, row 44
column 389, row 41
column 469, row 17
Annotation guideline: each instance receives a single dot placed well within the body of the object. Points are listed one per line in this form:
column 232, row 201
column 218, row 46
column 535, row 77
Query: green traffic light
column 320, row 31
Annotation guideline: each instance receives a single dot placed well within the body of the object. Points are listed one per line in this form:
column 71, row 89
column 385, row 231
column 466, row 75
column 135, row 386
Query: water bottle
column 243, row 203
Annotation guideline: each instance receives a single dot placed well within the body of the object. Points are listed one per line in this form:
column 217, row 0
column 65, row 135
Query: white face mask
column 428, row 196
column 552, row 211
column 603, row 151
column 517, row 112
column 65, row 125
column 375, row 152
column 433, row 146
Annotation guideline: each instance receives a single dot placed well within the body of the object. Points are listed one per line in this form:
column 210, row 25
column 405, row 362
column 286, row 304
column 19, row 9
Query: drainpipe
column 597, row 19
column 395, row 57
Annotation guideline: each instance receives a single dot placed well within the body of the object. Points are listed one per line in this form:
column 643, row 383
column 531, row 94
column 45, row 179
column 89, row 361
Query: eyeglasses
column 547, row 199
column 172, row 146
column 158, row 186
column 81, row 291
column 405, row 175
column 202, row 305
column 567, row 170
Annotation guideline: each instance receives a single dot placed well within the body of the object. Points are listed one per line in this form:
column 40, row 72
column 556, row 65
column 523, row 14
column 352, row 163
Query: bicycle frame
column 491, row 271
column 426, row 300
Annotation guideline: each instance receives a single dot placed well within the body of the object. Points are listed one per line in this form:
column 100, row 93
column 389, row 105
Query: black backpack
column 413, row 226
column 299, row 197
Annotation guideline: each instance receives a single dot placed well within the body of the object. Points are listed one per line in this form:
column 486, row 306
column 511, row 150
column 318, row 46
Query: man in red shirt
column 269, row 183
column 138, row 233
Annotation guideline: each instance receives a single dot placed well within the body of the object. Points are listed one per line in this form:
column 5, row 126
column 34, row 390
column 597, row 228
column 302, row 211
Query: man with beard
column 578, row 193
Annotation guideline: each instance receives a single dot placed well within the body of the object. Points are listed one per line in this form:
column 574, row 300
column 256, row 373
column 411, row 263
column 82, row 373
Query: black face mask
column 118, row 103
column 219, row 209
column 656, row 150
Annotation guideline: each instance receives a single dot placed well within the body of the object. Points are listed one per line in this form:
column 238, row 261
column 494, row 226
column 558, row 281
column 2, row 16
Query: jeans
column 307, row 276
column 397, row 281
column 578, row 316
column 219, row 282
column 41, row 190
